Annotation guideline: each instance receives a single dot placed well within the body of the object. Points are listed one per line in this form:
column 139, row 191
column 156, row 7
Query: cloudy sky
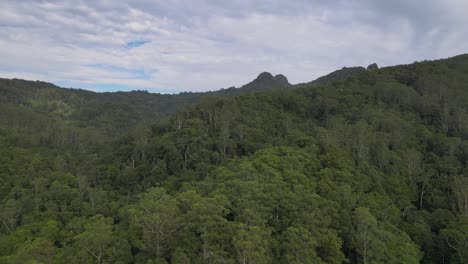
column 173, row 45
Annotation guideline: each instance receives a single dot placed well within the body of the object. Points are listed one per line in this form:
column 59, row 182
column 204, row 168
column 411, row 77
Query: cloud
column 167, row 46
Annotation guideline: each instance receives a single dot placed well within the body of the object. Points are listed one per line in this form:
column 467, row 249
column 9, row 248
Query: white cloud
column 206, row 45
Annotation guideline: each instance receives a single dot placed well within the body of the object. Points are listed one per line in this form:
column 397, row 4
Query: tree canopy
column 368, row 168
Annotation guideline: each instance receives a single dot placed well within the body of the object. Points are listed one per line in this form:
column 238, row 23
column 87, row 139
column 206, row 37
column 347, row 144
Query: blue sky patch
column 137, row 73
column 137, row 43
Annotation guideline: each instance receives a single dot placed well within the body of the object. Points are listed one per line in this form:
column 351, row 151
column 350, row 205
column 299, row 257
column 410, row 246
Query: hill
column 367, row 168
column 107, row 113
column 263, row 83
column 111, row 114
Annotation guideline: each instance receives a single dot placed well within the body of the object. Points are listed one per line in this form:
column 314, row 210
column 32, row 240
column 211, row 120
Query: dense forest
column 360, row 166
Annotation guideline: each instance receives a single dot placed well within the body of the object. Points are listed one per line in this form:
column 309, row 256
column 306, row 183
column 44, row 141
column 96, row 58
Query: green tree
column 157, row 214
column 39, row 250
column 99, row 244
column 251, row 244
column 300, row 246
column 456, row 238
column 368, row 247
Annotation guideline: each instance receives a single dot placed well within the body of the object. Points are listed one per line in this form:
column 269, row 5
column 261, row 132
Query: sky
column 169, row 46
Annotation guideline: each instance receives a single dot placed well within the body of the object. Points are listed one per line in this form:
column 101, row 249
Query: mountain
column 264, row 82
column 110, row 113
column 341, row 74
column 368, row 168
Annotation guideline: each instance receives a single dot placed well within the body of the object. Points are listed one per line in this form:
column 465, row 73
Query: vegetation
column 368, row 169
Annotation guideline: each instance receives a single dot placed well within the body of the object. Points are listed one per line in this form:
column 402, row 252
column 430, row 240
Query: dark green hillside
column 111, row 114
column 370, row 168
column 263, row 83
column 337, row 75
column 107, row 113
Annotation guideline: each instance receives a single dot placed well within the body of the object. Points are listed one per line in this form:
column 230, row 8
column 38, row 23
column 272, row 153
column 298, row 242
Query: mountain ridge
column 278, row 81
column 91, row 108
column 370, row 167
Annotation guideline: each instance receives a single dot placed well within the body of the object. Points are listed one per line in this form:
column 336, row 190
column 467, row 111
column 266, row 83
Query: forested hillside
column 25, row 102
column 343, row 73
column 25, row 105
column 371, row 168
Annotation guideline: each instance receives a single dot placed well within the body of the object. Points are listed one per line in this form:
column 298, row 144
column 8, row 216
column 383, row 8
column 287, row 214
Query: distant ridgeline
column 113, row 113
column 358, row 166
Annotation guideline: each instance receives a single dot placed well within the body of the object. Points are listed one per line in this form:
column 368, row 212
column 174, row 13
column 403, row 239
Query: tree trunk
column 421, row 196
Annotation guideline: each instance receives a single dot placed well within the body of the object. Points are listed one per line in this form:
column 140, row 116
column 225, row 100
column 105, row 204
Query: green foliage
column 99, row 244
column 367, row 167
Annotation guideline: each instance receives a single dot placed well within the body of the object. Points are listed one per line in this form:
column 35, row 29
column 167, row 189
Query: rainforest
column 359, row 166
